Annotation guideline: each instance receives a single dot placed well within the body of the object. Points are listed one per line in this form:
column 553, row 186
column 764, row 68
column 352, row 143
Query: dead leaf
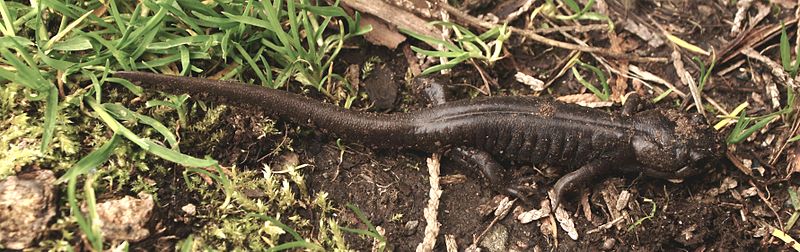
column 395, row 16
column 644, row 33
column 566, row 223
column 793, row 158
column 535, row 84
column 688, row 80
column 535, row 214
column 381, row 34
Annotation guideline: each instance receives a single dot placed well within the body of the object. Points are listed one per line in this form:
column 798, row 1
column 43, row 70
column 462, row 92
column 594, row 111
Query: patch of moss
column 19, row 137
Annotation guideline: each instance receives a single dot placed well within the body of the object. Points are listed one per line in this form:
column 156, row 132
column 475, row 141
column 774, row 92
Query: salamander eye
column 698, row 157
column 681, row 154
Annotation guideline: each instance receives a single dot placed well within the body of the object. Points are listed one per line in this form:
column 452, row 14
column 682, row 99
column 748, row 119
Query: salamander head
column 671, row 144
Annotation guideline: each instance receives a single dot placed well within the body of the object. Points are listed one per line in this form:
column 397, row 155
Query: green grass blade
column 296, row 245
column 785, row 51
column 327, row 11
column 50, row 114
column 63, row 33
column 185, row 60
column 183, row 41
column 177, row 157
column 8, row 28
column 13, row 41
column 252, row 64
column 121, row 111
column 249, row 21
column 430, row 40
column 114, row 124
column 95, row 238
column 145, row 35
column 61, row 7
column 92, row 160
column 279, row 224
column 430, row 53
column 450, row 64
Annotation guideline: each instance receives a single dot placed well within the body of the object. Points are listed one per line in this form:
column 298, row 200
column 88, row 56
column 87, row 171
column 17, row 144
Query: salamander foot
column 582, row 176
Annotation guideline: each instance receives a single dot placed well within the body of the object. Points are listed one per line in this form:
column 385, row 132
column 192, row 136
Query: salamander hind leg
column 580, row 177
column 430, row 89
column 632, row 105
column 491, row 170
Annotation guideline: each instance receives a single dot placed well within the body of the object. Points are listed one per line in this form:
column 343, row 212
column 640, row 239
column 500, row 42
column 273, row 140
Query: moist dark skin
column 592, row 143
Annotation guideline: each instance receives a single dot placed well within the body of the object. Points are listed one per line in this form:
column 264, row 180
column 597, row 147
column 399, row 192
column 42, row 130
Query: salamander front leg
column 492, row 170
column 580, row 177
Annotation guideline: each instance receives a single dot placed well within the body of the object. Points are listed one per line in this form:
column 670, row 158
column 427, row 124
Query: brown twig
column 487, row 81
column 767, row 202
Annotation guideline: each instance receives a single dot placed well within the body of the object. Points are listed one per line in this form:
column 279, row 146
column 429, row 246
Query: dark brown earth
column 695, row 215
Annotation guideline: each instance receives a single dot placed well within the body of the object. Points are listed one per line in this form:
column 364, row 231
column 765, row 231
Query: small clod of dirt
column 26, row 206
column 381, row 88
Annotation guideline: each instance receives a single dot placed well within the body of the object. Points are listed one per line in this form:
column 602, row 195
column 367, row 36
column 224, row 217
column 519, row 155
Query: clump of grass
column 26, row 73
column 744, row 129
column 468, row 46
column 647, row 217
column 304, row 51
column 603, row 94
column 579, row 13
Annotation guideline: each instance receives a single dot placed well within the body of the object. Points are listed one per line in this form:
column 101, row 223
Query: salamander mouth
column 683, row 172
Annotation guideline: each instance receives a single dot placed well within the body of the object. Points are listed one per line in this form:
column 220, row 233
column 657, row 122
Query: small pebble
column 495, row 239
column 608, row 244
column 189, row 209
column 411, row 227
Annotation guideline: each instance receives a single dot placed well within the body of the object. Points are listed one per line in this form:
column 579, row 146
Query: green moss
column 19, row 137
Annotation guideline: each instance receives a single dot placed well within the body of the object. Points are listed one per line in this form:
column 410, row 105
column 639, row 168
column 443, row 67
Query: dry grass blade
column 752, row 37
column 687, row 80
column 432, row 208
column 785, row 238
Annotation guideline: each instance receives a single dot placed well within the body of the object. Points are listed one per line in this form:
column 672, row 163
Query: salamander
column 592, row 143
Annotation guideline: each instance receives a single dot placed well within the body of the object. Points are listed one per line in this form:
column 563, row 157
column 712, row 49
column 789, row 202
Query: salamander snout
column 704, row 151
column 679, row 145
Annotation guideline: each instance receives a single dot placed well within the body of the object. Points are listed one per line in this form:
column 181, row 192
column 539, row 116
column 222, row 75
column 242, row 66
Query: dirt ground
column 721, row 209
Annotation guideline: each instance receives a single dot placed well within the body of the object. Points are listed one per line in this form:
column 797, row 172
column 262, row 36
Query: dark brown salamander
column 659, row 143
